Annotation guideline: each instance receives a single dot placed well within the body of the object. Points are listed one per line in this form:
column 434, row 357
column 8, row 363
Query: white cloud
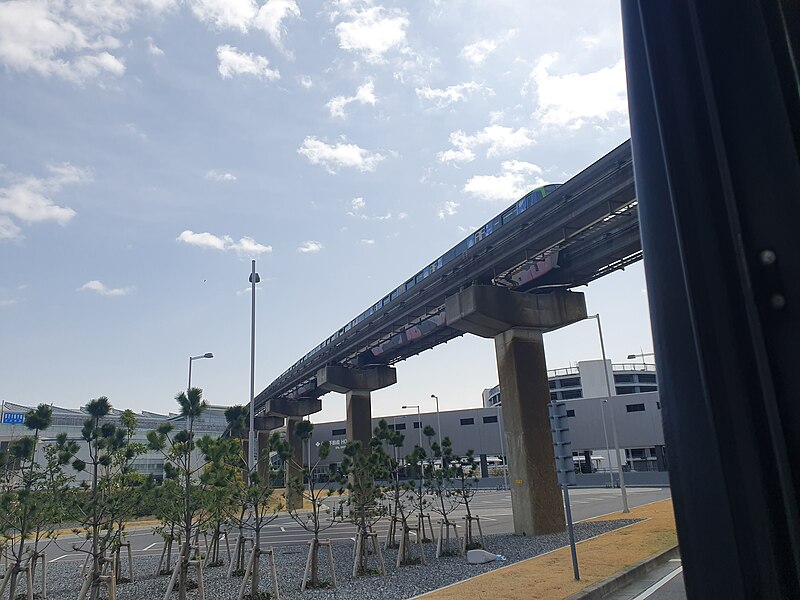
column 478, row 52
column 100, row 288
column 270, row 20
column 69, row 40
column 520, row 166
column 448, row 209
column 367, row 242
column 372, row 31
column 511, row 183
column 8, row 229
column 309, row 246
column 365, row 94
column 499, row 139
column 226, row 14
column 358, row 203
column 232, row 62
column 572, row 100
column 454, row 93
column 306, row 81
column 246, row 246
column 28, row 198
column 402, row 216
column 152, row 49
column 6, row 302
column 214, row 175
column 342, row 154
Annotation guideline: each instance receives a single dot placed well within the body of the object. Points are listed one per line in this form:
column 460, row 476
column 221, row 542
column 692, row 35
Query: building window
column 417, row 424
column 570, row 412
column 468, row 421
column 553, row 396
column 492, row 419
column 623, row 378
column 648, row 388
column 634, row 407
column 647, row 378
column 570, row 382
column 339, row 432
column 400, row 426
column 552, row 384
column 571, row 394
column 625, row 390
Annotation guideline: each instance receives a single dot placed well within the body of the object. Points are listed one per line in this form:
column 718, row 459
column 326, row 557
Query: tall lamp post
column 438, row 420
column 625, row 508
column 641, row 355
column 251, row 438
column 189, row 385
column 419, row 417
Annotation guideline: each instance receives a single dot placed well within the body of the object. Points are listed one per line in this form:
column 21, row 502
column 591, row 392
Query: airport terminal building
column 634, row 405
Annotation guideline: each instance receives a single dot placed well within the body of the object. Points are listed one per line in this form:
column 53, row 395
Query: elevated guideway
column 583, row 230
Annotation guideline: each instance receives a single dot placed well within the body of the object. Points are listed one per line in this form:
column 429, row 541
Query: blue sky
column 152, row 147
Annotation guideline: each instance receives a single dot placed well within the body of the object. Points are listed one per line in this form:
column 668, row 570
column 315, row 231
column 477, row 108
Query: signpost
column 565, row 467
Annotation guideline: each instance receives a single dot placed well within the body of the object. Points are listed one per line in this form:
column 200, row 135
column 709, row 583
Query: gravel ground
column 64, row 579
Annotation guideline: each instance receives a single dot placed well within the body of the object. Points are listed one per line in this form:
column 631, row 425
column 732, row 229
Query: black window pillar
column 715, row 121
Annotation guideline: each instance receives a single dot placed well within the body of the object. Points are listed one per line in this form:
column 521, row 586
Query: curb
column 616, row 582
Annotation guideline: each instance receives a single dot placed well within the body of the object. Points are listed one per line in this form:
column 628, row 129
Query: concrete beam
column 345, row 379
column 267, row 423
column 487, row 310
column 282, row 407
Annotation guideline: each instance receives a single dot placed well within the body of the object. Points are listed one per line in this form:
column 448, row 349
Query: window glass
column 634, row 407
column 468, row 421
column 491, row 419
column 339, row 432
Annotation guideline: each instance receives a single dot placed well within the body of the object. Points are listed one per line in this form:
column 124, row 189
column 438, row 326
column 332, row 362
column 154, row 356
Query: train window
column 394, row 294
column 471, row 241
column 497, row 223
column 419, row 277
column 509, row 214
column 488, row 228
column 409, row 284
column 462, row 247
column 522, row 205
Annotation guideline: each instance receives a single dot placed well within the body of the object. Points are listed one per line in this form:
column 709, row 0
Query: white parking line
column 59, row 558
column 150, row 546
column 659, row 584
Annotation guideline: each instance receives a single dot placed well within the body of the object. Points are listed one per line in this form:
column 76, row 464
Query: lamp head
column 208, row 355
column 631, row 356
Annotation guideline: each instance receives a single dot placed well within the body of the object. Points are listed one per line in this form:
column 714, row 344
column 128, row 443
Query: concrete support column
column 263, row 456
column 535, row 496
column 359, row 416
column 294, row 470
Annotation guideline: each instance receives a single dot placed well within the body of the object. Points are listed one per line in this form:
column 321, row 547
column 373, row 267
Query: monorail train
column 527, row 201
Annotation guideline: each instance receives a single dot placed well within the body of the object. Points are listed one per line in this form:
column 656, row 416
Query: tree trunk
column 256, row 550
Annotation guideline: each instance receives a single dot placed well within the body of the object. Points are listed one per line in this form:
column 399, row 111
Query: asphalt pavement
column 493, row 508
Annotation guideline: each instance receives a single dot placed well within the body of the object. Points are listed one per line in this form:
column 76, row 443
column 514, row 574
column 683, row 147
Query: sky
column 152, row 148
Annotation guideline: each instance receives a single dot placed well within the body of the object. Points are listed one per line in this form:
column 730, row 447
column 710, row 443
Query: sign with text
column 13, row 418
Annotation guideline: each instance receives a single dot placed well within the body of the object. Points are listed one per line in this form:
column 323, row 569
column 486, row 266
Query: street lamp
column 419, row 416
column 625, row 508
column 191, row 358
column 251, row 438
column 641, row 355
column 438, row 420
column 189, row 386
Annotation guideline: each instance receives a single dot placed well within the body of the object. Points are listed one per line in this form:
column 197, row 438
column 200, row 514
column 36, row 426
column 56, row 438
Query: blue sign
column 14, row 418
